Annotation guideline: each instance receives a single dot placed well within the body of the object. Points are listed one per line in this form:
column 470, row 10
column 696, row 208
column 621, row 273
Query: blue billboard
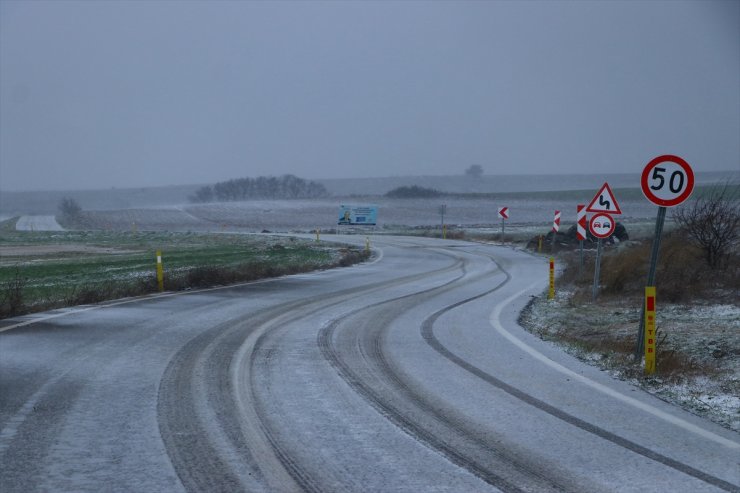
column 358, row 215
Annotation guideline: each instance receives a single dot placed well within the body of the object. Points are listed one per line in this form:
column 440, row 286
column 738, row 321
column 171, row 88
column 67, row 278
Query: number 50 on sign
column 667, row 181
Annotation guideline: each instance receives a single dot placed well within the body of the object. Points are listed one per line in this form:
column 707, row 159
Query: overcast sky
column 139, row 93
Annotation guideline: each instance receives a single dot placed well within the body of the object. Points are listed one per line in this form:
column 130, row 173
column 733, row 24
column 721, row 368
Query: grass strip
column 45, row 270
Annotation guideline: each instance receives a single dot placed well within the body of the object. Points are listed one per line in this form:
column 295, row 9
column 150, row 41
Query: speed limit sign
column 667, row 181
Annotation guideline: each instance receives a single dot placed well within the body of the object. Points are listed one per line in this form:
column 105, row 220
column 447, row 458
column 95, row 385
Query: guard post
column 650, row 334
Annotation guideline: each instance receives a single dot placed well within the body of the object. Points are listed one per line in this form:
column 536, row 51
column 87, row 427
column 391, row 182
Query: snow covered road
column 407, row 373
column 38, row 223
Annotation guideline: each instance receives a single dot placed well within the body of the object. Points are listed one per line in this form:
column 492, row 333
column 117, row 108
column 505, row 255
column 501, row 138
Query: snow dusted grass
column 47, row 270
column 698, row 358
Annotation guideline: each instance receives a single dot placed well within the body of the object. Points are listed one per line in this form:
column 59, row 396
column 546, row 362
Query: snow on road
column 38, row 223
column 408, row 373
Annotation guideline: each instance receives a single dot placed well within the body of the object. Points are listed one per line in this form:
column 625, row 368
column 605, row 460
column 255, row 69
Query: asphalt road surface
column 405, row 374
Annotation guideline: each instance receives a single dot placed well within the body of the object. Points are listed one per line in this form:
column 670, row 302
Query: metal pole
column 503, row 229
column 640, row 345
column 442, row 210
column 580, row 268
column 597, row 270
column 552, row 245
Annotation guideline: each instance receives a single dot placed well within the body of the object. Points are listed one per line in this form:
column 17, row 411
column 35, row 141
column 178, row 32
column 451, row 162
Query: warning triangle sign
column 604, row 202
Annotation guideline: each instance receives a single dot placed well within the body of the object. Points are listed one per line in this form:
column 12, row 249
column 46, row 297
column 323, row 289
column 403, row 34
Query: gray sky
column 101, row 93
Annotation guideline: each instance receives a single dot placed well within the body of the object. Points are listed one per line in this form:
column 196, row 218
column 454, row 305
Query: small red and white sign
column 503, row 212
column 581, row 223
column 602, row 225
column 667, row 180
column 556, row 222
column 604, row 201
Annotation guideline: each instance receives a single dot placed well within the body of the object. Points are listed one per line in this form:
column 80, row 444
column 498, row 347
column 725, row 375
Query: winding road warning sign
column 604, row 201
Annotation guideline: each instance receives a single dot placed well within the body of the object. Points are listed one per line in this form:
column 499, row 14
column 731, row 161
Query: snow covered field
column 38, row 223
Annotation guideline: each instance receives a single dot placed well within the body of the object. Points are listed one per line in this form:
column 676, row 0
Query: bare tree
column 69, row 208
column 712, row 221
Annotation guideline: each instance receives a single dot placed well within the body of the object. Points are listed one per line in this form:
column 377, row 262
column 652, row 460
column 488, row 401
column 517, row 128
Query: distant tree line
column 263, row 187
column 414, row 192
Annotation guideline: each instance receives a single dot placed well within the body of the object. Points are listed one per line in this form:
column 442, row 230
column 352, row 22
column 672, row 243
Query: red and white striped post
column 581, row 229
column 555, row 229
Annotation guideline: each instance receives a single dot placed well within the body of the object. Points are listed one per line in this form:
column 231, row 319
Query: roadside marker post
column 601, row 226
column 603, row 205
column 318, row 231
column 551, row 292
column 581, row 232
column 503, row 213
column 666, row 181
column 442, row 212
column 367, row 244
column 650, row 334
column 160, row 272
column 555, row 229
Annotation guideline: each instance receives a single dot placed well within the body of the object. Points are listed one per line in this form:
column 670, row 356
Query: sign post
column 503, row 213
column 442, row 211
column 666, row 181
column 581, row 232
column 601, row 226
column 551, row 291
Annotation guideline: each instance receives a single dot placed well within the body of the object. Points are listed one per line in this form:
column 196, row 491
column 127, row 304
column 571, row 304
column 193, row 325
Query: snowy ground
column 38, row 223
column 707, row 335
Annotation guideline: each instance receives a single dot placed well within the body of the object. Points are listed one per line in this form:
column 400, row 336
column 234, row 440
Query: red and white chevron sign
column 556, row 222
column 581, row 224
column 503, row 212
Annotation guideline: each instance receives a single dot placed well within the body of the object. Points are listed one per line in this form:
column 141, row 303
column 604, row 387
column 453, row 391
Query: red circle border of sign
column 611, row 220
column 662, row 202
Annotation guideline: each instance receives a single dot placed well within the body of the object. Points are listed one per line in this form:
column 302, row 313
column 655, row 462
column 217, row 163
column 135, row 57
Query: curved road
column 407, row 373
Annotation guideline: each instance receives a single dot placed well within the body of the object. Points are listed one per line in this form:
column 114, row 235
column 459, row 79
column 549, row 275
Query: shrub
column 712, row 222
column 680, row 274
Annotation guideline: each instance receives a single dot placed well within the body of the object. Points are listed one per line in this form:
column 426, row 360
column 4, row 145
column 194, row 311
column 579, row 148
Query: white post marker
column 442, row 211
column 160, row 272
column 602, row 226
column 666, row 181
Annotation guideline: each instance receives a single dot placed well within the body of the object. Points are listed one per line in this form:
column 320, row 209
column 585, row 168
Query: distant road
column 408, row 373
column 38, row 223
